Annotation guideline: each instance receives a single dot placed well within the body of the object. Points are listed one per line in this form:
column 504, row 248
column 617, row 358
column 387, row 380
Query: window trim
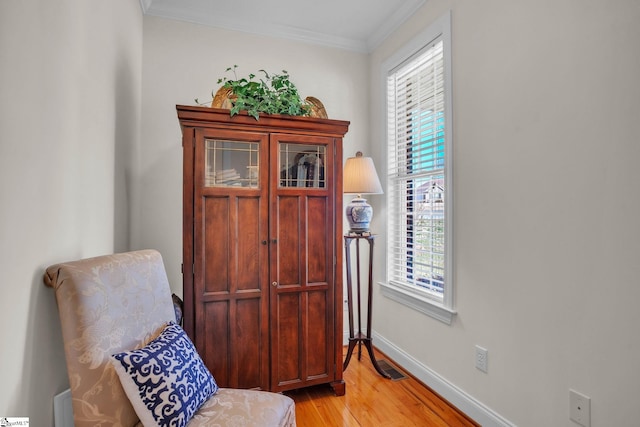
column 399, row 292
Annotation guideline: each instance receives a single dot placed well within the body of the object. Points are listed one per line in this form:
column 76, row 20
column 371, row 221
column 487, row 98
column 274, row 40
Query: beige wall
column 546, row 135
column 69, row 114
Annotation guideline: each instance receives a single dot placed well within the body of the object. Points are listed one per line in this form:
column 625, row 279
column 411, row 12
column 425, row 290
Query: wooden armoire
column 262, row 254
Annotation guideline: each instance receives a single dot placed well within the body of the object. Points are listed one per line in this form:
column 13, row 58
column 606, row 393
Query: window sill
column 410, row 298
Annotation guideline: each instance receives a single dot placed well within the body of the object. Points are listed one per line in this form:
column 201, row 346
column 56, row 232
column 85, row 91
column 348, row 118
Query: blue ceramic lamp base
column 359, row 214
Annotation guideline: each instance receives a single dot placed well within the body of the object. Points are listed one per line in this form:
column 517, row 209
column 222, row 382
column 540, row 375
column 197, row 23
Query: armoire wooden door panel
column 288, row 369
column 250, row 247
column 288, row 241
column 302, row 268
column 319, row 264
column 242, row 317
column 319, row 353
column 232, row 245
column 215, row 328
column 232, row 250
column 218, row 226
column 248, row 352
column 231, row 273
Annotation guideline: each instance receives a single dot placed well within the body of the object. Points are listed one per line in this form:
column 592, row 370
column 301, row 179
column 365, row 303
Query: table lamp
column 360, row 178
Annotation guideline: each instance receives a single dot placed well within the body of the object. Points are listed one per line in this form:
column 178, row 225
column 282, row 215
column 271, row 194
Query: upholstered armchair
column 119, row 308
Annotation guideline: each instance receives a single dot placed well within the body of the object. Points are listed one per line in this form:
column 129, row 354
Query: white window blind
column 417, row 228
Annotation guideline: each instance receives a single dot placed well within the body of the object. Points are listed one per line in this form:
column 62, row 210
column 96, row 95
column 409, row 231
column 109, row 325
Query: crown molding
column 182, row 11
column 145, row 5
column 392, row 23
column 265, row 29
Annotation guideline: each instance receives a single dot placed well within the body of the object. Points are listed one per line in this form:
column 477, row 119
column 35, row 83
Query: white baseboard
column 460, row 399
column 62, row 409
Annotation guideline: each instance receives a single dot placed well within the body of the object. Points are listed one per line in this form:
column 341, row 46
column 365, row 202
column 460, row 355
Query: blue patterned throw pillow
column 166, row 381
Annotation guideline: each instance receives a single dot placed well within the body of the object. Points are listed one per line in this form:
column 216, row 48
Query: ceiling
column 356, row 25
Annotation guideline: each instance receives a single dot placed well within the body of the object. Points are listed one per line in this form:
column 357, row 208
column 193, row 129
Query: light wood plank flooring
column 371, row 401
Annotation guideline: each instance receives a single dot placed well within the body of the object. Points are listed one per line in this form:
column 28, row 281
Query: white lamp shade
column 360, row 176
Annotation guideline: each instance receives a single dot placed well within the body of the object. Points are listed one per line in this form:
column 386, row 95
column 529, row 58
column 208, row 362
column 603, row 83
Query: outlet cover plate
column 482, row 355
column 580, row 408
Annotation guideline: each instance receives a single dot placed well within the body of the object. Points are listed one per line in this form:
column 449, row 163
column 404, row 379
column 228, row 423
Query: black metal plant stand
column 360, row 338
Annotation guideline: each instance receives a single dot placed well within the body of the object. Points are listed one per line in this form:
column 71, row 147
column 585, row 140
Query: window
column 419, row 173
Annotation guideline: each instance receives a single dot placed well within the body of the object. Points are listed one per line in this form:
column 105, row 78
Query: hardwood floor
column 371, row 400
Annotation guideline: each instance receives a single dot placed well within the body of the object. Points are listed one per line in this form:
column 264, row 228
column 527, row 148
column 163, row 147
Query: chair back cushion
column 107, row 305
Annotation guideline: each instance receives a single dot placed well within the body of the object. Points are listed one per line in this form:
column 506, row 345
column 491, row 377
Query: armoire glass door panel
column 231, row 164
column 302, row 165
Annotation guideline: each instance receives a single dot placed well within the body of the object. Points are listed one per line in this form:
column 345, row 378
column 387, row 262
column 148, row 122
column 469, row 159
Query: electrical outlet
column 482, row 355
column 580, row 408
